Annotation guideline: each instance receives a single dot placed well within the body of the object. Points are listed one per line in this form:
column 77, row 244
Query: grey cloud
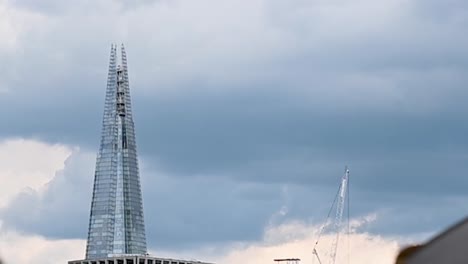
column 418, row 213
column 47, row 6
column 199, row 210
column 61, row 8
column 285, row 94
column 178, row 212
column 268, row 136
column 62, row 202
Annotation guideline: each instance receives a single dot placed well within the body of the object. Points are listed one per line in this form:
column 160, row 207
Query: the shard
column 116, row 232
column 116, row 224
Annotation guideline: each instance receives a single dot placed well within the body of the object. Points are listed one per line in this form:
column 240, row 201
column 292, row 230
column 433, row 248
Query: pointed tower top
column 116, row 225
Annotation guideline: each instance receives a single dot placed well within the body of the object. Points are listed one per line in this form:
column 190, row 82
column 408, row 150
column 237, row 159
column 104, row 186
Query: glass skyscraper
column 116, row 224
column 116, row 228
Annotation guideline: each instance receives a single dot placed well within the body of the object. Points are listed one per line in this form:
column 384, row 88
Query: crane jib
column 340, row 204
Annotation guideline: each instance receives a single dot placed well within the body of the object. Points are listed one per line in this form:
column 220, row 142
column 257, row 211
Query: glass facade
column 116, row 224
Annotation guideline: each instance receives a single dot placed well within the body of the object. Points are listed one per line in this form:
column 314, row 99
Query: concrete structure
column 116, row 225
column 135, row 259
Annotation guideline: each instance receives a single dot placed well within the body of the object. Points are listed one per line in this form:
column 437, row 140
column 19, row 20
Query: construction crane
column 340, row 199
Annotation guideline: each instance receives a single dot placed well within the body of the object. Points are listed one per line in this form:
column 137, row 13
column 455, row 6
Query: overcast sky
column 246, row 113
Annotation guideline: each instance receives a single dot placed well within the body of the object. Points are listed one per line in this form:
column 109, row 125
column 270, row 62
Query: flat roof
column 137, row 258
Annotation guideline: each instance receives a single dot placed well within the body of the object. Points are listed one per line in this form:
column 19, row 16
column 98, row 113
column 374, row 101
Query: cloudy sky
column 246, row 113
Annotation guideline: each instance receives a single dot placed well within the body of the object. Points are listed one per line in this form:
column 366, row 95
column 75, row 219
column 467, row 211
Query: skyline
column 246, row 116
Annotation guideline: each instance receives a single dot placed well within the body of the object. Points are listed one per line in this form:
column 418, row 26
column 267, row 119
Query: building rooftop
column 136, row 259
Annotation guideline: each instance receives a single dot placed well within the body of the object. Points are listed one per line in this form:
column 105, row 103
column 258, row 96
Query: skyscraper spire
column 116, row 224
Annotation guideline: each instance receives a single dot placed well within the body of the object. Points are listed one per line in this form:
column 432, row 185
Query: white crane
column 340, row 199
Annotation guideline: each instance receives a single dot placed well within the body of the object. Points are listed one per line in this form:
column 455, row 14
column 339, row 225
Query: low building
column 135, row 259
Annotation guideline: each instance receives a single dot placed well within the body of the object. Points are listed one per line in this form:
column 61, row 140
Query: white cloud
column 224, row 40
column 296, row 239
column 32, row 163
column 293, row 239
column 16, row 23
column 8, row 32
column 16, row 248
column 26, row 163
column 332, row 54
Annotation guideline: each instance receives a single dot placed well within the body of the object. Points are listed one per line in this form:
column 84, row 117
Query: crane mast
column 340, row 199
column 339, row 214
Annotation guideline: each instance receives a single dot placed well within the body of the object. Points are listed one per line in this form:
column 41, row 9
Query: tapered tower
column 116, row 228
column 116, row 224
